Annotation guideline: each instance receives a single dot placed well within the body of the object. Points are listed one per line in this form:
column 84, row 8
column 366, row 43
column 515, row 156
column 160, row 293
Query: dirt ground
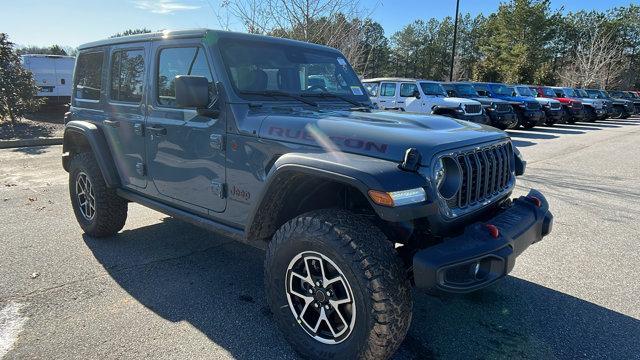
column 48, row 122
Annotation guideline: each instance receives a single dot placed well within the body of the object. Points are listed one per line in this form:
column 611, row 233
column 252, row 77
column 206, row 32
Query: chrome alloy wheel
column 86, row 198
column 320, row 297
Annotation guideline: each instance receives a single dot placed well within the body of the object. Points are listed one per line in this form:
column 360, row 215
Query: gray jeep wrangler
column 274, row 143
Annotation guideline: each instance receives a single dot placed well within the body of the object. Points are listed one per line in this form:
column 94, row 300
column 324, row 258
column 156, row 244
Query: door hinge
column 141, row 169
column 138, row 129
column 216, row 141
column 219, row 189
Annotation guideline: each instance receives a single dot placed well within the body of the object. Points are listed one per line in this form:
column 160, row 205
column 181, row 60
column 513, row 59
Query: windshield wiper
column 327, row 94
column 276, row 93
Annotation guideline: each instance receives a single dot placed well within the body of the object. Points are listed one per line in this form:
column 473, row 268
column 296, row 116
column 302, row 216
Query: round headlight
column 447, row 176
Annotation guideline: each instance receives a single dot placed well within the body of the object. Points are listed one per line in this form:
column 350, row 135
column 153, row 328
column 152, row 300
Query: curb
column 7, row 144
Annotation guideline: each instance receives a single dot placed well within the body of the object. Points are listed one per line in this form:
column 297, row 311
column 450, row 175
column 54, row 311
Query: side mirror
column 192, row 91
column 416, row 94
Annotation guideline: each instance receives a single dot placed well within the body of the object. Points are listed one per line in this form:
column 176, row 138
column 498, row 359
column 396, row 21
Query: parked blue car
column 529, row 111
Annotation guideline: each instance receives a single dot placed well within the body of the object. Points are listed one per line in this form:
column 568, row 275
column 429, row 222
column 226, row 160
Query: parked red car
column 573, row 109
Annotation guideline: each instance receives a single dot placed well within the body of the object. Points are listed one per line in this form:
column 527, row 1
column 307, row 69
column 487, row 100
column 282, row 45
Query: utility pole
column 455, row 38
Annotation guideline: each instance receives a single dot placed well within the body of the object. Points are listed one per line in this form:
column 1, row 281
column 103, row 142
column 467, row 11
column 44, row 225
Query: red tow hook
column 535, row 200
column 493, row 230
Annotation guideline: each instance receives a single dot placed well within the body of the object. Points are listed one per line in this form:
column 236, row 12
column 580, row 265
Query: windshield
column 256, row 67
column 569, row 92
column 582, row 93
column 595, row 94
column 524, row 91
column 429, row 88
column 547, row 91
column 466, row 90
column 503, row 90
column 633, row 95
column 618, row 94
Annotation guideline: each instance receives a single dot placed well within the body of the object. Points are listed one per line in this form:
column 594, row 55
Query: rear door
column 388, row 95
column 185, row 149
column 64, row 73
column 126, row 111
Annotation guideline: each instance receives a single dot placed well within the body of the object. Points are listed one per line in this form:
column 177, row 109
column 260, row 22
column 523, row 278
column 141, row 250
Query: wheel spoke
column 321, row 318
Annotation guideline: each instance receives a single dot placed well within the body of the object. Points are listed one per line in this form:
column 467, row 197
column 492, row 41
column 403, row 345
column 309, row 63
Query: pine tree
column 18, row 90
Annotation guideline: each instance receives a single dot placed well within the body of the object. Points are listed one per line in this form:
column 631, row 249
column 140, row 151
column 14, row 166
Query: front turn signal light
column 398, row 198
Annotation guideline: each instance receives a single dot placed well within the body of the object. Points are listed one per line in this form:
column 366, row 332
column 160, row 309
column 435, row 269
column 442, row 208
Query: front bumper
column 555, row 115
column 533, row 116
column 577, row 114
column 476, row 118
column 503, row 120
column 476, row 259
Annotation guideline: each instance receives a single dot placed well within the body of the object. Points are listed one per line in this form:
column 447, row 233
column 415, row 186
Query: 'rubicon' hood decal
column 380, row 134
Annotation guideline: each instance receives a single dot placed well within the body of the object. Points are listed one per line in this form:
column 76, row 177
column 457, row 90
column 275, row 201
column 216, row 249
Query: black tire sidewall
column 79, row 165
column 350, row 347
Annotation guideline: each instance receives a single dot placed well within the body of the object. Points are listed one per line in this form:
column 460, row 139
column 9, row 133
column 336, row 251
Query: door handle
column 158, row 130
column 383, row 100
column 112, row 123
column 400, row 102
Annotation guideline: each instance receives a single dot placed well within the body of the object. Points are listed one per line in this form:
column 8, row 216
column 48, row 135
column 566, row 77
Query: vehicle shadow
column 183, row 273
column 598, row 124
column 31, row 150
column 522, row 143
column 619, row 122
column 530, row 135
column 577, row 127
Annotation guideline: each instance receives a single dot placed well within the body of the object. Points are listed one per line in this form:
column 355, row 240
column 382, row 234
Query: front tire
column 98, row 209
column 337, row 287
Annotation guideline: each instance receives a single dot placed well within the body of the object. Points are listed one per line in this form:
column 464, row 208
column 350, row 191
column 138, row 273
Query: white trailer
column 53, row 75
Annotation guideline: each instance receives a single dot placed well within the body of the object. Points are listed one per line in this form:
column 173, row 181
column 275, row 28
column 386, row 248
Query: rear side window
column 406, row 90
column 88, row 77
column 127, row 73
column 179, row 61
column 388, row 89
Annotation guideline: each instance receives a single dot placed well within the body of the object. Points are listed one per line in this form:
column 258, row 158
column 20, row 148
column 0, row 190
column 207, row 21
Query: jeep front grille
column 533, row 105
column 486, row 174
column 555, row 106
column 503, row 107
column 576, row 105
column 473, row 109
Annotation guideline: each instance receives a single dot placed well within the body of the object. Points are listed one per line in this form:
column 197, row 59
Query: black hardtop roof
column 198, row 33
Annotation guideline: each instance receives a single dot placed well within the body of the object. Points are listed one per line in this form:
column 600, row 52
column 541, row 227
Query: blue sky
column 73, row 22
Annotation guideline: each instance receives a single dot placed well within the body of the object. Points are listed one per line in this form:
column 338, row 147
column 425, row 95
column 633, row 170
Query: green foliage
column 51, row 50
column 17, row 88
column 129, row 32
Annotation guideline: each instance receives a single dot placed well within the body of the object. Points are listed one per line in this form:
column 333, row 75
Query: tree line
column 524, row 41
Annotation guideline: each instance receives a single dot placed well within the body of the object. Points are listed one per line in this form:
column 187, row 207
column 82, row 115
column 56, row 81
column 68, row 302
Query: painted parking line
column 11, row 324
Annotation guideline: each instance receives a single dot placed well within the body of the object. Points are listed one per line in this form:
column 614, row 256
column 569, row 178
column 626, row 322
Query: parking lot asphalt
column 166, row 289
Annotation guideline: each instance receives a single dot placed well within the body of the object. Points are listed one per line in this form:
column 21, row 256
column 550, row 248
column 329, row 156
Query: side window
column 388, row 89
column 88, row 76
column 178, row 61
column 406, row 89
column 127, row 72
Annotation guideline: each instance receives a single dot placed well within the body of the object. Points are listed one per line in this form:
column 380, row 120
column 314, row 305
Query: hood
column 379, row 134
column 518, row 99
column 456, row 101
column 593, row 102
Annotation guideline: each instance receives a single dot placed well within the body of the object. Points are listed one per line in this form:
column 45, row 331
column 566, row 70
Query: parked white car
column 422, row 96
column 53, row 75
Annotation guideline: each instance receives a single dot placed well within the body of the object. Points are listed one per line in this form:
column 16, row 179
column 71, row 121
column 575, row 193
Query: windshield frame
column 345, row 70
column 473, row 92
column 527, row 91
column 442, row 93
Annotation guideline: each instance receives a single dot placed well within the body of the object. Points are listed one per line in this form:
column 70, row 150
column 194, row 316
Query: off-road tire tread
column 380, row 268
column 111, row 209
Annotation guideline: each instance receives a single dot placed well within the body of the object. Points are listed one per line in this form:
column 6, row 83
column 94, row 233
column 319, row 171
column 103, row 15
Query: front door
column 125, row 112
column 185, row 150
column 408, row 101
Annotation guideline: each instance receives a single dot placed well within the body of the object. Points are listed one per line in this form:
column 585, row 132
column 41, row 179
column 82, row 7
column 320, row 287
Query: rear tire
column 98, row 209
column 348, row 247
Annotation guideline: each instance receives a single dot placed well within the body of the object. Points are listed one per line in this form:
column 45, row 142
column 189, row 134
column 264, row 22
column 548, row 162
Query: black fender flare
column 360, row 172
column 81, row 134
